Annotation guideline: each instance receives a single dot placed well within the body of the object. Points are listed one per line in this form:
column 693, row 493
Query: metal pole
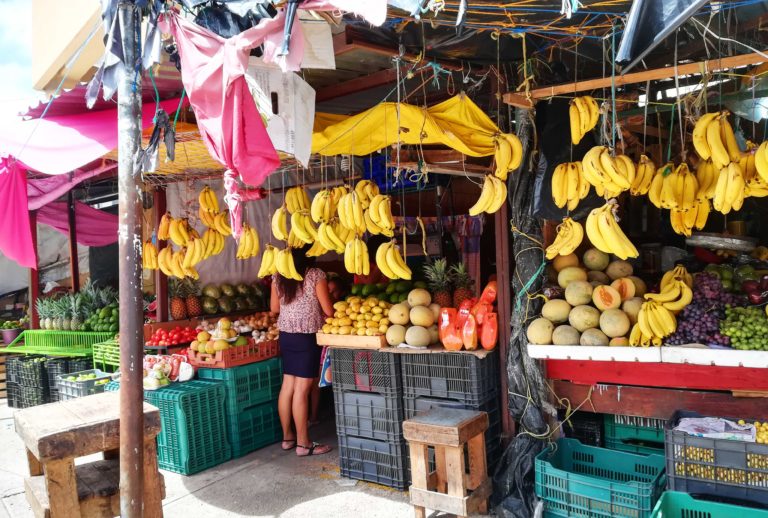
column 131, row 310
column 74, row 259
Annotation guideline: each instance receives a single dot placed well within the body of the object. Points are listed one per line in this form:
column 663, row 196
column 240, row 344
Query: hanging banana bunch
column 316, row 250
column 296, row 199
column 249, row 243
column 679, row 188
column 163, row 230
column 351, row 212
column 268, row 262
column 284, row 265
column 329, row 239
column 492, row 196
column 213, row 242
column 644, row 174
column 366, row 190
column 194, row 253
column 609, row 175
column 391, row 263
column 149, row 256
column 713, row 138
column 583, row 114
column 378, row 216
column 747, row 162
column 303, row 228
column 761, row 161
column 279, row 224
column 605, row 234
column 221, row 223
column 570, row 233
column 569, row 186
column 684, row 221
column 208, row 201
column 179, row 231
column 730, row 189
column 356, row 257
column 508, row 154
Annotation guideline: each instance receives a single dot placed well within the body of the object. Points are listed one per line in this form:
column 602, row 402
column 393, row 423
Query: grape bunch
column 747, row 328
column 700, row 320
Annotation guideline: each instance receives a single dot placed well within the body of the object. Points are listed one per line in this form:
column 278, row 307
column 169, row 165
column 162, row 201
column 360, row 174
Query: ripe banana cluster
column 747, row 162
column 706, row 175
column 654, row 322
column 179, row 231
column 279, row 224
column 713, row 139
column 391, row 263
column 193, row 253
column 208, row 201
column 569, row 186
column 678, row 272
column 213, row 241
column 570, row 233
column 729, row 189
column 351, row 212
column 584, row 114
column 296, row 199
column 378, row 216
column 149, row 256
column 678, row 188
column 645, row 171
column 684, row 221
column 164, row 229
column 268, row 262
column 172, row 263
column 325, row 203
column 761, row 161
column 356, row 257
column 303, row 228
column 220, row 222
column 366, row 190
column 756, row 188
column 284, row 264
column 492, row 197
column 249, row 243
column 508, row 154
column 674, row 295
column 334, row 237
column 316, row 250
column 605, row 234
column 609, row 175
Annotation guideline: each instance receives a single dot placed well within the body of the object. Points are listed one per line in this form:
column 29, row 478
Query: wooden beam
column 504, row 308
column 659, row 403
column 641, row 77
column 74, row 259
column 161, row 281
column 358, row 84
column 34, row 276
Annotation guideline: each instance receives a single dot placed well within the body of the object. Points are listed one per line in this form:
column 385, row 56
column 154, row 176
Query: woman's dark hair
column 373, row 243
column 289, row 287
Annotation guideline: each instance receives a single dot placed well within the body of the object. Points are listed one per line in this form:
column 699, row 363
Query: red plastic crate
column 235, row 356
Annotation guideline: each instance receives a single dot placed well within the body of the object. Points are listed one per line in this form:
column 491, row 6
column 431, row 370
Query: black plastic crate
column 461, row 376
column 13, row 391
column 381, row 462
column 367, row 414
column 12, row 368
column 32, row 373
column 587, row 427
column 79, row 364
column 31, row 396
column 722, row 468
column 55, row 367
column 366, row 371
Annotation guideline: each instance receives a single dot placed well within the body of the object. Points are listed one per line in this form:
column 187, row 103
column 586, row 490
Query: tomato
column 489, row 293
column 489, row 333
column 469, row 333
column 447, row 320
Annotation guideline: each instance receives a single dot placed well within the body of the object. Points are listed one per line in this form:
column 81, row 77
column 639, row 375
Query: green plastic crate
column 254, row 428
column 193, row 435
column 56, row 343
column 106, row 355
column 634, row 446
column 589, row 482
column 682, row 505
column 248, row 385
column 628, row 427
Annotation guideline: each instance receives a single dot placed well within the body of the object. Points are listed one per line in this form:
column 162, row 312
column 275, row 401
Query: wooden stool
column 448, row 430
column 56, row 434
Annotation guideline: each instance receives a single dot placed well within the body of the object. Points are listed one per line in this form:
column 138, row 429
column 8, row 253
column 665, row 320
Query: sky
column 16, row 91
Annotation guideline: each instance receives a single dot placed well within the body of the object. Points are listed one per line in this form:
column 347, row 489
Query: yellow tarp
column 457, row 123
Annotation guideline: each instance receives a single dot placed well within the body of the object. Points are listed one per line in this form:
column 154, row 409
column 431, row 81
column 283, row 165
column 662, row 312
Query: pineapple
column 76, row 321
column 57, row 314
column 462, row 283
column 439, row 282
column 192, row 301
column 43, row 313
column 66, row 311
column 178, row 293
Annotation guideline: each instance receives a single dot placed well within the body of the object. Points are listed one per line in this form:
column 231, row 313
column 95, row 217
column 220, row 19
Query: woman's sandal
column 315, row 449
column 291, row 444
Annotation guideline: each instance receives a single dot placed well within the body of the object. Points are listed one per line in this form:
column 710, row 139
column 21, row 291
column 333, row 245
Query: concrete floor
column 266, row 483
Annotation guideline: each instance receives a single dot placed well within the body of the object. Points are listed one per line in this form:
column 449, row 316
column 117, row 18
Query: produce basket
column 682, row 505
column 106, row 355
column 236, row 356
column 73, row 389
column 10, row 335
column 364, row 414
column 577, row 480
column 381, row 462
column 254, row 428
column 634, row 434
column 247, row 385
column 366, row 371
column 718, row 467
column 58, row 343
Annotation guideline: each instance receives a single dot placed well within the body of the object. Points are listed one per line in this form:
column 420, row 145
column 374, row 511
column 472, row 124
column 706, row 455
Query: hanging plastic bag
column 326, row 378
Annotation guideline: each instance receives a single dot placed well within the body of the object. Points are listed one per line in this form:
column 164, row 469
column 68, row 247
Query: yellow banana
column 499, row 195
column 280, row 224
column 594, row 232
column 381, row 260
column 164, row 227
column 516, row 146
column 503, row 157
column 717, row 148
column 575, row 123
column 700, row 135
column 728, row 138
column 397, row 264
column 559, row 186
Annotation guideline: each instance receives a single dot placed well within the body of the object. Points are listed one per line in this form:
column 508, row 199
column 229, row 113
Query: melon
column 419, row 297
column 578, row 293
column 417, row 336
column 640, row 287
column 395, row 335
column 605, row 297
column 421, row 316
column 569, row 274
column 593, row 337
column 556, row 310
column 564, row 261
column 619, row 269
column 614, row 322
column 584, row 317
column 594, row 259
column 619, row 341
column 398, row 314
column 600, row 277
column 625, row 287
column 539, row 332
column 435, row 309
column 434, row 335
column 632, row 307
column 565, row 335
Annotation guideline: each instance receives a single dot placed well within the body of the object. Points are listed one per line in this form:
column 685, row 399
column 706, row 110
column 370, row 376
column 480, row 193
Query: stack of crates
column 455, row 380
column 634, row 434
column 251, row 393
column 368, row 396
column 27, row 381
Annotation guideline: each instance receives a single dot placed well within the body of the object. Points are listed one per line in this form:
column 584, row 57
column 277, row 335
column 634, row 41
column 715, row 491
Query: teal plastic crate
column 682, row 505
column 248, row 385
column 193, row 435
column 634, row 446
column 254, row 428
column 575, row 480
column 628, row 427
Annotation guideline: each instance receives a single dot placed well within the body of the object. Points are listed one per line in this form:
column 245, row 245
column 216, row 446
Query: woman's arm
column 274, row 300
column 324, row 297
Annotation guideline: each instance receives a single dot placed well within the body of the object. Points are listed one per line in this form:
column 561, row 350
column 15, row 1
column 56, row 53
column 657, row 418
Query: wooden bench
column 453, row 487
column 58, row 433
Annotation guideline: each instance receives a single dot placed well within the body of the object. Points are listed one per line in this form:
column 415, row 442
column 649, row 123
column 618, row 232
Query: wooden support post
column 74, row 259
column 161, row 281
column 34, row 276
column 504, row 305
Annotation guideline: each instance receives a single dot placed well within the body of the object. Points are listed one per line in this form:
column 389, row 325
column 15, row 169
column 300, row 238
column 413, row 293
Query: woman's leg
column 284, row 407
column 314, row 402
column 304, row 446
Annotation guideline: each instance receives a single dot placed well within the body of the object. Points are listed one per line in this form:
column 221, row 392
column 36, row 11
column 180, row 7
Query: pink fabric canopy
column 94, row 227
column 15, row 234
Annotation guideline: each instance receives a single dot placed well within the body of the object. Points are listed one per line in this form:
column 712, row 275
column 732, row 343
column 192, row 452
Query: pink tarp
column 15, row 234
column 94, row 227
column 41, row 191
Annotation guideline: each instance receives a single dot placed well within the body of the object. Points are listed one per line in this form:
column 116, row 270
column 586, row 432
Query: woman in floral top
column 302, row 307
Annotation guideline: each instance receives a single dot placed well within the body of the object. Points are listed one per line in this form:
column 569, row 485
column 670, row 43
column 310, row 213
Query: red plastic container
column 235, row 356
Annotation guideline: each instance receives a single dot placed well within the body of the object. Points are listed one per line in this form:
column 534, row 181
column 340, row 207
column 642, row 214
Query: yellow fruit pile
column 584, row 114
column 357, row 316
